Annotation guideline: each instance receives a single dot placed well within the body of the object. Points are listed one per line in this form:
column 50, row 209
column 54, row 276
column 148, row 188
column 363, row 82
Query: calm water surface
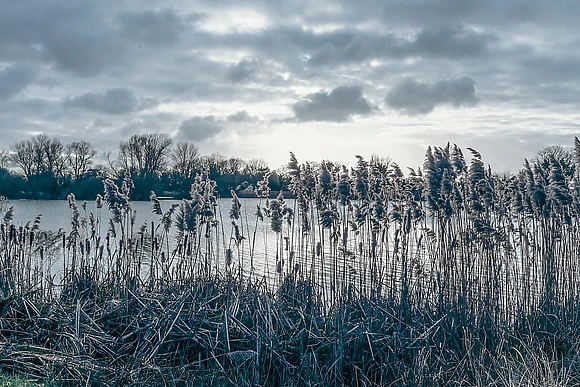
column 259, row 253
column 258, row 249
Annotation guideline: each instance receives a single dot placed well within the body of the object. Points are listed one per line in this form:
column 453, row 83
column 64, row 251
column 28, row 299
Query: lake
column 261, row 253
column 258, row 249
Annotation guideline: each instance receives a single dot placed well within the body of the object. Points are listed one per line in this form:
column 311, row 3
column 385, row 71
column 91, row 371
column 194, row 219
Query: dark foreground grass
column 221, row 332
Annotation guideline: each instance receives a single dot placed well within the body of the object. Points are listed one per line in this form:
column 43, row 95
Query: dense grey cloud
column 448, row 42
column 241, row 117
column 200, row 128
column 451, row 42
column 244, row 70
column 496, row 13
column 156, row 27
column 412, row 97
column 82, row 54
column 338, row 105
column 14, row 79
column 73, row 37
column 118, row 100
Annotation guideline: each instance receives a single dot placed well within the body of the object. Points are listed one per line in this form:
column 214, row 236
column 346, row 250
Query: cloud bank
column 340, row 104
column 412, row 97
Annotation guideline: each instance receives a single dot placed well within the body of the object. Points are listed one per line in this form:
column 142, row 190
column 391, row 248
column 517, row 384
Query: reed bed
column 451, row 275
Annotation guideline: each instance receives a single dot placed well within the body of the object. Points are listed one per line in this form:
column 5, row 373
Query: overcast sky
column 326, row 80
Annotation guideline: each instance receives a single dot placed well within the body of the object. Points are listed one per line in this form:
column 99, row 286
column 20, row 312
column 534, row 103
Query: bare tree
column 39, row 155
column 4, row 159
column 255, row 167
column 79, row 156
column 145, row 154
column 213, row 163
column 54, row 160
column 23, row 157
column 233, row 165
column 113, row 166
column 185, row 158
column 562, row 155
column 381, row 163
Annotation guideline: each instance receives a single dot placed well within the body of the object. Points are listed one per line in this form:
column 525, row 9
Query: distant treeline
column 43, row 167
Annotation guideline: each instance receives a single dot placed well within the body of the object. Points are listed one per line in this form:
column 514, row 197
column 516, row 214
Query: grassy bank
column 220, row 332
column 14, row 381
column 452, row 275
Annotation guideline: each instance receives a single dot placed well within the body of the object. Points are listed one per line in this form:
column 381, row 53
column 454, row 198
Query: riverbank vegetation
column 450, row 275
column 45, row 168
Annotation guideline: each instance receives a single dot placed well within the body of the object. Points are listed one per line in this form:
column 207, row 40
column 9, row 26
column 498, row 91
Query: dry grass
column 452, row 276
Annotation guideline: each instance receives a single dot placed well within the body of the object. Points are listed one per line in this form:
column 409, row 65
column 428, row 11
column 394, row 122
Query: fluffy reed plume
column 156, row 204
column 117, row 201
column 276, row 213
column 4, row 203
column 263, row 190
column 9, row 215
column 236, row 207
